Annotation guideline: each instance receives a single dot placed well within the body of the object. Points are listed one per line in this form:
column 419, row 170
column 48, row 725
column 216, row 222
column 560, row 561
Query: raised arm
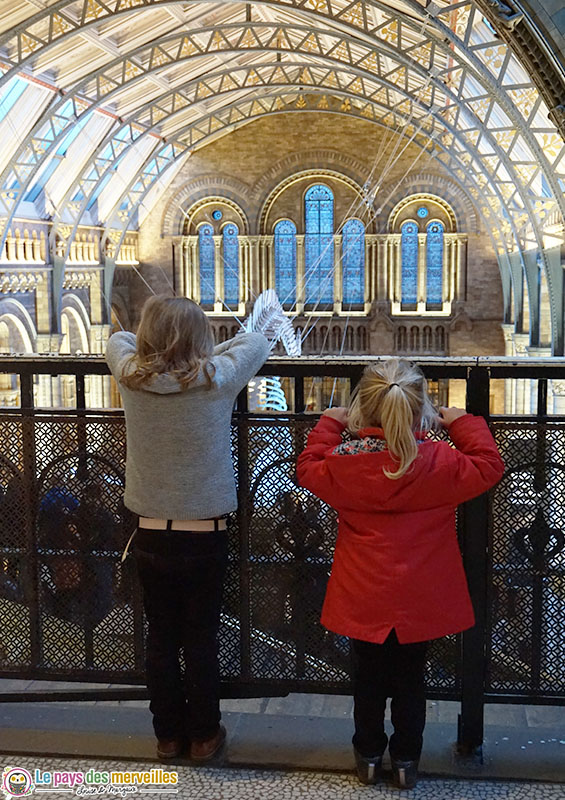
column 239, row 359
column 475, row 465
column 311, row 467
column 120, row 348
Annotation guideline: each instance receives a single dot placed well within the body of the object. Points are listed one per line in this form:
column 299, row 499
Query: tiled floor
column 205, row 783
column 302, row 731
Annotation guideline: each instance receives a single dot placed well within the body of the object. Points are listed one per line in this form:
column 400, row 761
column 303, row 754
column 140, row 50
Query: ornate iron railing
column 70, row 611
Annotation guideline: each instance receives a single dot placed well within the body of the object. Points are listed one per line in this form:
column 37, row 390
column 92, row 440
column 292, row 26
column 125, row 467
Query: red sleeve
column 311, row 467
column 475, row 466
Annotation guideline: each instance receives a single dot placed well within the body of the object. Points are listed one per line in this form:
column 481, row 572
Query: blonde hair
column 175, row 337
column 393, row 395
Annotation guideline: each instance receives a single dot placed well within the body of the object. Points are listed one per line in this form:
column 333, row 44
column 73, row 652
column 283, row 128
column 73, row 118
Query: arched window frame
column 409, row 262
column 435, row 245
column 230, row 264
column 318, row 246
column 284, row 234
column 207, row 265
column 353, row 262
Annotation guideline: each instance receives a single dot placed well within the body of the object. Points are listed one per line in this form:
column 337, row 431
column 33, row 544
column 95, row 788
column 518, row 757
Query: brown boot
column 169, row 748
column 208, row 749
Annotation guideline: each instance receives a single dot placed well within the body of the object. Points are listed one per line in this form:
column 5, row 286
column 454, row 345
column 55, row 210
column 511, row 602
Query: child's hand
column 339, row 413
column 449, row 415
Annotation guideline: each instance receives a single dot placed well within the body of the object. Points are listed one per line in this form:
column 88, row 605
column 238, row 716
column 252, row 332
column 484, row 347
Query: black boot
column 404, row 773
column 368, row 768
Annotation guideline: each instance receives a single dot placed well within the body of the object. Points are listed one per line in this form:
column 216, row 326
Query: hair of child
column 393, row 395
column 175, row 337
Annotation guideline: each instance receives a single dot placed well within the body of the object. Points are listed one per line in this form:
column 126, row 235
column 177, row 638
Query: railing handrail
column 46, row 362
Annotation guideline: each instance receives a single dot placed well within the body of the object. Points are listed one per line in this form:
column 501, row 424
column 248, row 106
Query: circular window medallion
column 422, row 212
column 217, row 214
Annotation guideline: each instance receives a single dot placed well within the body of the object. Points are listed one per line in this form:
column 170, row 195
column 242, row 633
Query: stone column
column 397, row 270
column 179, row 259
column 445, row 272
column 452, row 268
column 380, row 270
column 48, row 392
column 263, row 264
column 509, row 384
column 218, row 274
column 96, row 304
column 254, row 266
column 558, row 395
column 461, row 268
column 537, row 352
column 338, row 274
column 271, row 279
column 521, row 342
column 300, row 274
column 98, row 389
column 422, row 238
column 42, row 310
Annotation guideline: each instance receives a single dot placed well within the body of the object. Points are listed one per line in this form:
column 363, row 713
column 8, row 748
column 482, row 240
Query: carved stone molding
column 20, row 282
column 221, row 186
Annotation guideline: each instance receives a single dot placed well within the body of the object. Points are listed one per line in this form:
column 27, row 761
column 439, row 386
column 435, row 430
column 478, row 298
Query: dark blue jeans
column 391, row 670
column 182, row 575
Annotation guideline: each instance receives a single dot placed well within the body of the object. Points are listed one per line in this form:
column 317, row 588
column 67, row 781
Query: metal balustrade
column 70, row 611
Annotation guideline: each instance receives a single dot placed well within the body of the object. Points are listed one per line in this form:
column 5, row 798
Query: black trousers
column 391, row 670
column 182, row 575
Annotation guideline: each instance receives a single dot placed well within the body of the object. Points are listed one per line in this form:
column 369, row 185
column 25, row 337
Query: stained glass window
column 206, row 257
column 231, row 264
column 217, row 214
column 285, row 262
column 353, row 262
column 434, row 264
column 319, row 246
column 409, row 247
column 422, row 212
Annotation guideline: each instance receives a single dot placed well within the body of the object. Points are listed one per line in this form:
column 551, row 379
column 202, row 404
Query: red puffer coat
column 397, row 562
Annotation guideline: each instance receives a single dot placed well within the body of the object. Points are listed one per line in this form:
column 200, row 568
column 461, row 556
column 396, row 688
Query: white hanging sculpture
column 267, row 394
column 269, row 319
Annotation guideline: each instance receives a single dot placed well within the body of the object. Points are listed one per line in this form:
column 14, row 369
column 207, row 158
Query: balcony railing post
column 31, row 567
column 243, row 519
column 475, row 518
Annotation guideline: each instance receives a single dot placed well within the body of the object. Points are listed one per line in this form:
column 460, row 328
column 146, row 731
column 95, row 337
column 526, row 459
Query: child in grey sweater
column 178, row 393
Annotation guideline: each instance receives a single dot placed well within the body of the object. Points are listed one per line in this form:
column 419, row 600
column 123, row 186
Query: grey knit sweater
column 179, row 463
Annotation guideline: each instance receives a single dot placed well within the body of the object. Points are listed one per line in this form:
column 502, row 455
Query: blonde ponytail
column 393, row 395
column 397, row 419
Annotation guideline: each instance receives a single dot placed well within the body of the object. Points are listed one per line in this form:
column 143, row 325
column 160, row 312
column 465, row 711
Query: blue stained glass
column 231, row 265
column 409, row 247
column 285, row 262
column 206, row 255
column 353, row 261
column 422, row 212
column 217, row 214
column 318, row 245
column 434, row 263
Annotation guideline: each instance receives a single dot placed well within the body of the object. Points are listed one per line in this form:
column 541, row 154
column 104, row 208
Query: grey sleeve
column 121, row 346
column 239, row 361
column 223, row 346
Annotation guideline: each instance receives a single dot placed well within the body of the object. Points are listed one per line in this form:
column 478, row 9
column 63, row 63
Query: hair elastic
column 389, row 387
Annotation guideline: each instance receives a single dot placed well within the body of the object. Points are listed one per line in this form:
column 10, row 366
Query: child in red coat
column 397, row 579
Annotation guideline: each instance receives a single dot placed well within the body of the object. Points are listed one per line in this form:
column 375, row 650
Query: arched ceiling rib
column 172, row 75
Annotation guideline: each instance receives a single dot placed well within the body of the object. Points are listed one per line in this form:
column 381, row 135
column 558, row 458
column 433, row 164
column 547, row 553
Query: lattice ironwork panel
column 15, row 638
column 75, row 610
column 289, row 549
column 73, row 607
column 527, row 603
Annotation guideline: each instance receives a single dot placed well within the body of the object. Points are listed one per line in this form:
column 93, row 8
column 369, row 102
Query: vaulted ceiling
column 103, row 101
